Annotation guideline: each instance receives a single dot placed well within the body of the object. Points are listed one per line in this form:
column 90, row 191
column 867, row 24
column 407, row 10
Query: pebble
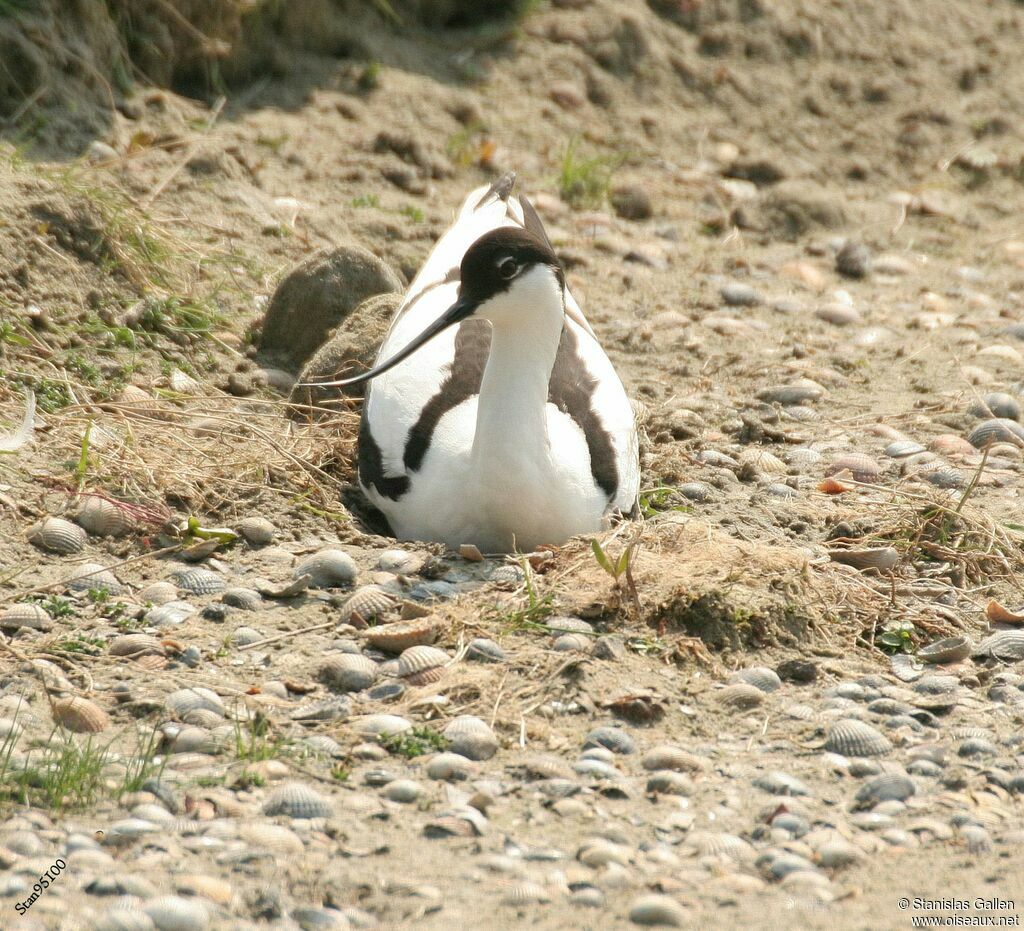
column 738, row 294
column 657, row 911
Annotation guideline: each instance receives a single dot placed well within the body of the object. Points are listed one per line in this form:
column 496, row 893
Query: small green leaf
column 624, row 560
column 602, row 558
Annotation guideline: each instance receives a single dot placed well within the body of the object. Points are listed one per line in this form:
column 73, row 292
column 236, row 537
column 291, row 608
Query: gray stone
column 317, row 296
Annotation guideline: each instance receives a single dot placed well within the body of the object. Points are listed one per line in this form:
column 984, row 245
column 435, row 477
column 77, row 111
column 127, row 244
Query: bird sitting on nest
column 495, row 417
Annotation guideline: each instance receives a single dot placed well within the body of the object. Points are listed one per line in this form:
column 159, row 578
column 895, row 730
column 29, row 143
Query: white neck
column 511, row 421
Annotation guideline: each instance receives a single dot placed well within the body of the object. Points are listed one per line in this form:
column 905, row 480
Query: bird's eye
column 508, row 267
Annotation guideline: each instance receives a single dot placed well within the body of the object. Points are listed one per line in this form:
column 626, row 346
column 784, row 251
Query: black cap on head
column 497, row 258
column 489, row 267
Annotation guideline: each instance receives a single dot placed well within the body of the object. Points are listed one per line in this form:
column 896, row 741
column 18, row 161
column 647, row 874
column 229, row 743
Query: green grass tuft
column 584, row 182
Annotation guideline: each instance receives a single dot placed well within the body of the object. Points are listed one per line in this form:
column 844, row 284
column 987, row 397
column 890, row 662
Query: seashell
column 245, row 636
column 451, row 767
column 740, row 696
column 569, row 625
column 832, row 486
column 404, row 791
column 399, row 562
column 900, row 449
column 862, row 468
column 257, row 530
column 328, row 746
column 330, row 709
column 177, row 913
column 104, row 518
column 838, row 314
column 380, row 725
column 601, row 851
column 790, row 395
column 327, row 568
column 207, row 887
column 273, row 837
column 881, row 558
column 887, row 787
column 803, row 458
column 421, row 665
column 508, row 574
column 641, row 706
column 124, row 917
column 997, row 430
column 349, row 672
column 194, row 739
column 295, row 800
column 611, row 738
column 714, row 844
column 762, row 461
column 1004, row 645
column 170, row 614
column 80, row 715
column 152, row 662
column 139, row 403
column 569, row 643
column 192, row 699
column 941, row 476
column 386, row 691
column 673, row 758
column 402, row 635
column 540, row 766
column 202, row 717
column 199, row 581
column 471, row 737
column 366, row 604
column 996, row 405
column 484, row 650
column 668, row 782
column 997, row 614
column 158, row 593
column 780, row 783
column 947, row 444
column 57, row 535
column 456, row 825
column 525, row 893
column 291, row 590
column 660, row 910
column 135, row 645
column 31, row 616
column 761, row 677
column 949, row 650
column 850, row 737
column 89, row 576
column 245, row 599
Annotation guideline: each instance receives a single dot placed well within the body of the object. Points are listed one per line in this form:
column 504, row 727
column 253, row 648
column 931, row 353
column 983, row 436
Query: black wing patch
column 571, row 390
column 465, row 374
column 532, row 222
column 371, row 464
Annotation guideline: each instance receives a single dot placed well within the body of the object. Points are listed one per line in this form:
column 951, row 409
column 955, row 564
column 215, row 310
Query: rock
column 738, row 294
column 632, row 202
column 317, row 296
column 853, row 260
column 793, row 208
column 351, row 348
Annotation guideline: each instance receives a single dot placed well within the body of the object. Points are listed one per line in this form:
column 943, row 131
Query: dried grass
column 214, row 455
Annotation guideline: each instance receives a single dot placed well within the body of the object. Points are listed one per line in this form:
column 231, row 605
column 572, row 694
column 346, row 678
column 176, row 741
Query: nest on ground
column 210, row 454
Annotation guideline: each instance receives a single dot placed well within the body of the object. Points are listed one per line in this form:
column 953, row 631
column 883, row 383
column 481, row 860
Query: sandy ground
column 782, row 196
